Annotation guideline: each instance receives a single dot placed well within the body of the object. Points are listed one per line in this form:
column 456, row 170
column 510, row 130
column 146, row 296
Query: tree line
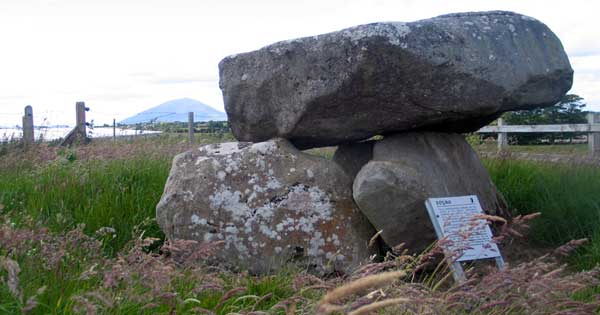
column 569, row 110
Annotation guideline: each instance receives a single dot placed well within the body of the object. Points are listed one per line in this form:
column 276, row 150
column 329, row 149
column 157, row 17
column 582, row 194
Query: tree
column 569, row 110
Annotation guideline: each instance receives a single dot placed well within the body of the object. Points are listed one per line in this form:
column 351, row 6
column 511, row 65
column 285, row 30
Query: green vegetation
column 210, row 127
column 567, row 195
column 77, row 235
column 107, row 184
column 119, row 194
column 547, row 149
column 570, row 110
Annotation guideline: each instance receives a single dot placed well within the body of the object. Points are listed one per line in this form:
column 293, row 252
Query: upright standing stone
column 408, row 168
column 352, row 157
column 269, row 203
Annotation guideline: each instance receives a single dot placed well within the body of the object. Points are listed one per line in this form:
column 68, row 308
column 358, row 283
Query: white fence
column 592, row 128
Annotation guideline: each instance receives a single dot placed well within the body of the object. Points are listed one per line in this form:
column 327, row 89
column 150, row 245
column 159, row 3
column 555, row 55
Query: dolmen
column 416, row 86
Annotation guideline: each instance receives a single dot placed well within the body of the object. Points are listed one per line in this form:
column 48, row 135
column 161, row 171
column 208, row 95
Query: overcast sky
column 124, row 56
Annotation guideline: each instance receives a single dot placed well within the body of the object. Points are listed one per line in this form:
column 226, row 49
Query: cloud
column 142, row 74
column 584, row 53
column 124, row 56
column 586, row 64
column 185, row 80
column 174, row 77
column 11, row 97
column 116, row 96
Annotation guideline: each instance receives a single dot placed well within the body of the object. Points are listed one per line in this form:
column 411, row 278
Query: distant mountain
column 177, row 110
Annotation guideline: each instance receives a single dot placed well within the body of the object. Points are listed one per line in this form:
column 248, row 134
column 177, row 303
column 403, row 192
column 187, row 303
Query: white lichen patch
column 231, row 230
column 302, row 197
column 229, row 201
column 402, row 28
column 527, row 18
column 335, row 239
column 273, row 183
column 201, row 159
column 221, row 149
column 512, row 28
column 188, row 196
column 263, row 148
column 258, row 200
column 196, row 220
column 316, row 243
column 308, row 207
column 231, row 56
column 393, row 31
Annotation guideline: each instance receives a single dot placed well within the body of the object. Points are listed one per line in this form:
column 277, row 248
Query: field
column 77, row 235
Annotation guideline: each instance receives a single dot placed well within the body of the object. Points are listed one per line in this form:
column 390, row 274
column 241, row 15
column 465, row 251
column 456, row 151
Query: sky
column 125, row 56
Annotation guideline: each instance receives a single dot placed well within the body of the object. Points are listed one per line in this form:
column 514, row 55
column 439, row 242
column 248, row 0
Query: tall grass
column 91, row 190
column 567, row 195
column 118, row 194
column 108, row 184
column 66, row 273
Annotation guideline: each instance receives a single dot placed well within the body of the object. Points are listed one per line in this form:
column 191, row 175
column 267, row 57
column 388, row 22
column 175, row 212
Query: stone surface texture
column 269, row 203
column 353, row 156
column 452, row 73
column 408, row 168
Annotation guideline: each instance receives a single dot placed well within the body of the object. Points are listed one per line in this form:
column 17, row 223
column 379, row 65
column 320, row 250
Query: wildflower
column 13, row 270
column 106, row 230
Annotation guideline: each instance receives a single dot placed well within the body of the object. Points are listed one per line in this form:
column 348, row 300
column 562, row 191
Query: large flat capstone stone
column 408, row 168
column 269, row 203
column 452, row 73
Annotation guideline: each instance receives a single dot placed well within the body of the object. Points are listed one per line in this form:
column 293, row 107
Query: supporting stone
column 269, row 203
column 407, row 169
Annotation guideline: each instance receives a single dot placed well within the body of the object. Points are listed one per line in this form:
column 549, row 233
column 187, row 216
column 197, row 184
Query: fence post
column 114, row 129
column 502, row 137
column 191, row 127
column 80, row 118
column 28, row 137
column 593, row 137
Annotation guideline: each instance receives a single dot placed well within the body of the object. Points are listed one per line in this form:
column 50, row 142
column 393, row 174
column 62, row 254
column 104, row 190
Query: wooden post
column 28, row 137
column 593, row 137
column 191, row 126
column 502, row 137
column 80, row 119
column 79, row 131
column 114, row 129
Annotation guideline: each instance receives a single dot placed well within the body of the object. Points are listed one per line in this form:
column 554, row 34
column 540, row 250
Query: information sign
column 470, row 238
